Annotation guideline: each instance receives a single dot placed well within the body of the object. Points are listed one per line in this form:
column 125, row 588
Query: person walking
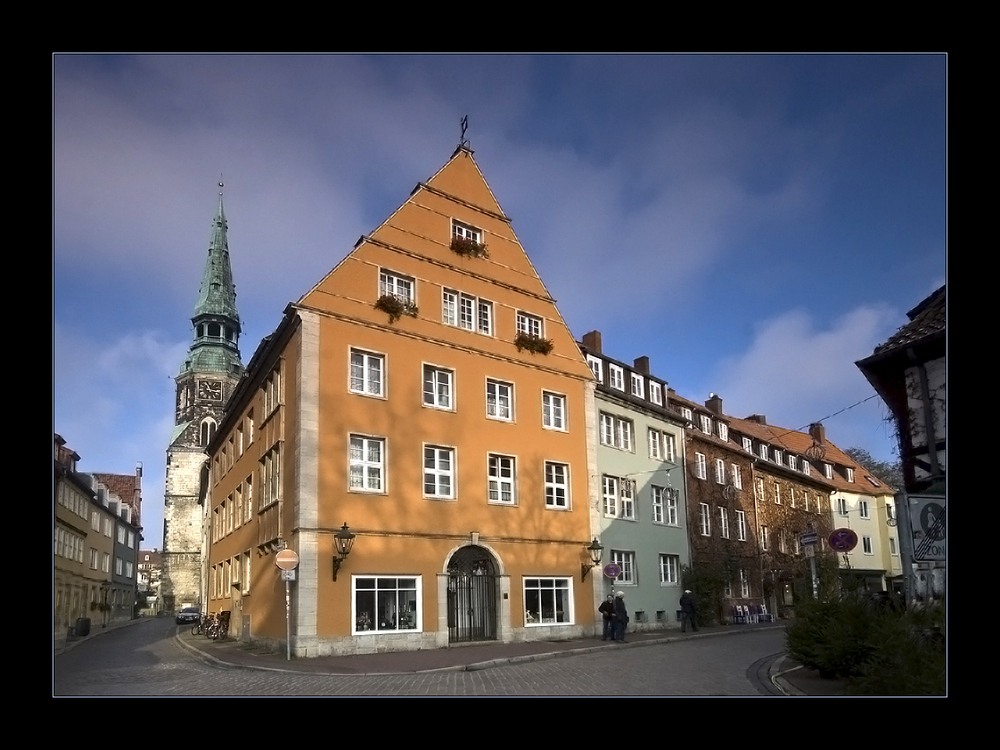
column 607, row 609
column 688, row 612
column 621, row 617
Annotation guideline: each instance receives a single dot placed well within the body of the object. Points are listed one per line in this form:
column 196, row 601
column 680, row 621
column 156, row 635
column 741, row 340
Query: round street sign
column 612, row 570
column 287, row 559
column 843, row 540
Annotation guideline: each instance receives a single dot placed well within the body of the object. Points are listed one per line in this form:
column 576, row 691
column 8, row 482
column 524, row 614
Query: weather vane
column 465, row 126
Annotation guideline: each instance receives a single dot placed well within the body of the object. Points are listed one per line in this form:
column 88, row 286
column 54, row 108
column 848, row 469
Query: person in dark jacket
column 688, row 612
column 607, row 609
column 621, row 617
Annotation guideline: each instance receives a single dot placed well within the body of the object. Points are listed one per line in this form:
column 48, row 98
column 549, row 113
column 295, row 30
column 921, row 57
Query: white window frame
column 741, row 525
column 616, row 377
column 748, row 445
column 656, row 393
column 669, row 569
column 596, row 367
column 744, row 584
column 616, row 431
column 530, row 324
column 723, row 432
column 863, row 508
column 724, row 522
column 705, row 519
column 687, row 414
column 720, row 471
column 363, row 383
column 706, row 424
column 842, row 506
column 362, row 466
column 673, row 498
column 763, row 451
column 737, row 476
column 392, row 605
column 397, row 285
column 669, row 448
column 441, row 382
column 560, row 593
column 866, row 545
column 654, row 444
column 850, row 474
column 557, row 485
column 657, row 503
column 449, row 307
column 499, row 400
column 439, row 470
column 764, row 541
column 501, row 479
column 466, row 231
column 609, row 486
column 625, row 559
column 638, row 385
column 627, row 504
column 554, row 411
column 700, row 468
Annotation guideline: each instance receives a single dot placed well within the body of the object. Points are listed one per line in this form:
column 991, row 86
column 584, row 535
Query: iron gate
column 472, row 596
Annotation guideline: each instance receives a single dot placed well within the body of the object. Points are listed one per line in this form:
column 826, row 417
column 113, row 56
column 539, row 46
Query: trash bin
column 82, row 626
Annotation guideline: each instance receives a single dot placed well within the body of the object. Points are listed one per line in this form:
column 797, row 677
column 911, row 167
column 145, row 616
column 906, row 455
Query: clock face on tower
column 210, row 389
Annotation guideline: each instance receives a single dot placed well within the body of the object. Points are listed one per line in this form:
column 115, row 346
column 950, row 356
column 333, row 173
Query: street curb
column 489, row 663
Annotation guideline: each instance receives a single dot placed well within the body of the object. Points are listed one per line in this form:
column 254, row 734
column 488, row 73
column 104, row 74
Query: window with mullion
column 499, row 400
column 439, row 472
column 437, row 387
column 400, row 287
column 366, row 373
column 553, row 410
column 501, row 479
column 366, row 464
column 556, row 485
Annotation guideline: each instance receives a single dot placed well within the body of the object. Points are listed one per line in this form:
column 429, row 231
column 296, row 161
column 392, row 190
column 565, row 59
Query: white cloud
column 795, row 373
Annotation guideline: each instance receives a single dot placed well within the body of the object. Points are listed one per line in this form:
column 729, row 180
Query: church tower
column 208, row 376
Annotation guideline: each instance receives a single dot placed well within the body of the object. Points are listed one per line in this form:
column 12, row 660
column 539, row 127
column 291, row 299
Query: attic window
column 850, row 474
column 467, row 240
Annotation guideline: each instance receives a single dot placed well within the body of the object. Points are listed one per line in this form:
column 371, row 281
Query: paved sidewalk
column 787, row 677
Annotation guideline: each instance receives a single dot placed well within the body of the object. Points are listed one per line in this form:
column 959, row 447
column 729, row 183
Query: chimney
column 758, row 418
column 642, row 365
column 714, row 404
column 817, row 432
column 592, row 341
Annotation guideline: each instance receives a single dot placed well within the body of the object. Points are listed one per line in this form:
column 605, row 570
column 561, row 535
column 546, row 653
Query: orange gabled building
column 428, row 395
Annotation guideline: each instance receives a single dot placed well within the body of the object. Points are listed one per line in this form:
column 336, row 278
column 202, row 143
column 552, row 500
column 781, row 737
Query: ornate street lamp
column 344, row 540
column 595, row 550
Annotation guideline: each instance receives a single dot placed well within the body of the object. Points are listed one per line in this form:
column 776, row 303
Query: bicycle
column 218, row 630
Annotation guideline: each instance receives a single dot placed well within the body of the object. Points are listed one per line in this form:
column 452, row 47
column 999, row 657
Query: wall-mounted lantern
column 344, row 540
column 595, row 550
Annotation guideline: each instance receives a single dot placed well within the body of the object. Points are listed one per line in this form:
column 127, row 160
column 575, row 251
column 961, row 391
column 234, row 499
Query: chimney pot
column 714, row 404
column 817, row 432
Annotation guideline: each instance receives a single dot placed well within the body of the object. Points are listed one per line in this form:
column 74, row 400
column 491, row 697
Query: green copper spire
column 216, row 320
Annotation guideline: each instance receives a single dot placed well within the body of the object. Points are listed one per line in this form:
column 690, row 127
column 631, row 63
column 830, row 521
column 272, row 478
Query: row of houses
column 448, row 464
column 97, row 531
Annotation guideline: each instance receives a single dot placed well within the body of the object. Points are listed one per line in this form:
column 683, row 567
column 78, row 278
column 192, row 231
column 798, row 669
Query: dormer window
column 706, row 424
column 763, row 451
column 828, row 471
column 723, row 431
column 595, row 367
column 655, row 393
column 686, row 413
column 638, row 386
column 777, row 456
column 850, row 474
column 748, row 445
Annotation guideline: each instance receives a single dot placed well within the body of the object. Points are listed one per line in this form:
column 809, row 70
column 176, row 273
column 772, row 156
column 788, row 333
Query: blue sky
column 753, row 223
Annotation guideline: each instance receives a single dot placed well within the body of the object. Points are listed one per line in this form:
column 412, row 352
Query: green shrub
column 910, row 655
column 882, row 650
